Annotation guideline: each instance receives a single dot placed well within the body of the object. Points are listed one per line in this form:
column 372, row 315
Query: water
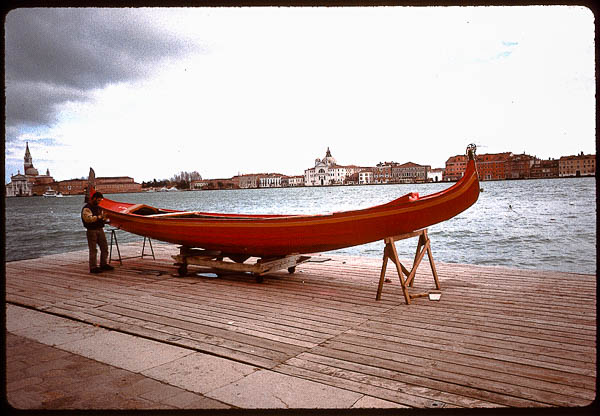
column 535, row 224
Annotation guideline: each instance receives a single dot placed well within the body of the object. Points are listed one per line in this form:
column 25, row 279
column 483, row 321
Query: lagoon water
column 534, row 224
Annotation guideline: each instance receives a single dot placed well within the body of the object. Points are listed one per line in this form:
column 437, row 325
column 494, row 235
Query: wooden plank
column 573, row 383
column 458, row 344
column 269, row 347
column 480, row 342
column 513, row 386
column 384, row 381
column 464, row 396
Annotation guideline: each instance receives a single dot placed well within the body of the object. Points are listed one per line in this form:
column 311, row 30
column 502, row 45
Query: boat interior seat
column 142, row 209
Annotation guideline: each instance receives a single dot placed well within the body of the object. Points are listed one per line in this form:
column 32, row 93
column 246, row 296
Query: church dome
column 31, row 171
column 328, row 159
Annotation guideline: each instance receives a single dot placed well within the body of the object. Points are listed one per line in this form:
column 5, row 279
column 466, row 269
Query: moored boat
column 51, row 193
column 280, row 235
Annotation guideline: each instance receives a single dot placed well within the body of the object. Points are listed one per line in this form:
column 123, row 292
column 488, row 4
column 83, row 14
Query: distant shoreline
column 481, row 181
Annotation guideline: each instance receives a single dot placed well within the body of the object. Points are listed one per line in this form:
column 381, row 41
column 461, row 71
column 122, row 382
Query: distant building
column 117, row 185
column 578, row 165
column 339, row 174
column 492, row 166
column 320, row 174
column 544, row 169
column 198, row 184
column 435, row 175
column 246, row 181
column 289, row 181
column 382, row 173
column 365, row 177
column 73, row 186
column 269, row 180
column 410, row 172
column 519, row 166
column 19, row 185
column 30, row 182
column 455, row 167
column 210, row 184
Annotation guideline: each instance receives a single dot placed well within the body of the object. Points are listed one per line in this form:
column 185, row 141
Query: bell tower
column 28, row 158
column 28, row 165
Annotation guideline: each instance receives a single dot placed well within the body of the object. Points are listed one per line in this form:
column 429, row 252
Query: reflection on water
column 538, row 224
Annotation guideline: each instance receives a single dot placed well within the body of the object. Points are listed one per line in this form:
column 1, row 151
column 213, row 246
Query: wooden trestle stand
column 113, row 236
column 390, row 252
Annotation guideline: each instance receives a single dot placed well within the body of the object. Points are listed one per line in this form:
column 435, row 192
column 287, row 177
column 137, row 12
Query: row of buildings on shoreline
column 490, row 166
column 327, row 172
column 502, row 166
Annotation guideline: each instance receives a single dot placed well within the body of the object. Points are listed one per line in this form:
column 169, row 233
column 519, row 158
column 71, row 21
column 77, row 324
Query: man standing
column 93, row 221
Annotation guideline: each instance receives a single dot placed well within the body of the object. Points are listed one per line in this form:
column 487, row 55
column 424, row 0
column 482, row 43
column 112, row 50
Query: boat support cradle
column 215, row 260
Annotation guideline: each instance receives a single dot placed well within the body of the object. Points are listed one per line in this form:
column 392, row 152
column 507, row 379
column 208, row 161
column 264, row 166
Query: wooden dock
column 497, row 337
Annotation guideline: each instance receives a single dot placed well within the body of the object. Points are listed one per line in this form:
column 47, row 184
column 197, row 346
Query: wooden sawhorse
column 390, row 252
column 113, row 236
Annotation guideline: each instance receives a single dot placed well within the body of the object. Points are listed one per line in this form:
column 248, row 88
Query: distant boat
column 280, row 235
column 51, row 193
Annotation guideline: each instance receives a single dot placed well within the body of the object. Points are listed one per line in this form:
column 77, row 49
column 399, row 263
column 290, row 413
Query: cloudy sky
column 148, row 93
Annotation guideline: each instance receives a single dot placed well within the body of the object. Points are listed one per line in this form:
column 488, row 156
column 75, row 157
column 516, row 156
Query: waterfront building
column 117, row 184
column 30, row 182
column 365, row 177
column 296, row 180
column 44, row 183
column 106, row 185
column 338, row 174
column 19, row 185
column 435, row 175
column 319, row 175
column 455, row 167
column 577, row 165
column 492, row 166
column 290, row 181
column 382, row 173
column 544, row 168
column 269, row 180
column 73, row 186
column 210, row 184
column 246, row 181
column 519, row 166
column 410, row 172
column 198, row 184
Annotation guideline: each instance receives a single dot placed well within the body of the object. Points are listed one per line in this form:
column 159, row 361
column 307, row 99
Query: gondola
column 281, row 235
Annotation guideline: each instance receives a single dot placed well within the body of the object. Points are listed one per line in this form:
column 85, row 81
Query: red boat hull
column 277, row 235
